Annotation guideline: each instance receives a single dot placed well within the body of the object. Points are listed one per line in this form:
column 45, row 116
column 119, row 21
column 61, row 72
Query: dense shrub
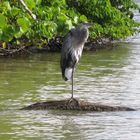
column 111, row 18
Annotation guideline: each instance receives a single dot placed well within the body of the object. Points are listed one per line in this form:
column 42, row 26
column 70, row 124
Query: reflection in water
column 109, row 77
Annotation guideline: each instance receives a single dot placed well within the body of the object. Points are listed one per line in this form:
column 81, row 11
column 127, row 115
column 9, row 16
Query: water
column 107, row 77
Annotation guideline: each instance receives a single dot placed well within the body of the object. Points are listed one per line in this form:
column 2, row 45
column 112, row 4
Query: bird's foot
column 73, row 103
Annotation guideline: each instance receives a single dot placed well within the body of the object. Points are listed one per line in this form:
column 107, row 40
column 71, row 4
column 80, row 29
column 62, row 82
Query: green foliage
column 125, row 6
column 111, row 18
column 53, row 18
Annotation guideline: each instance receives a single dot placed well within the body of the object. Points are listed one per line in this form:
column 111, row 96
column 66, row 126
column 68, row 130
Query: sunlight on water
column 107, row 76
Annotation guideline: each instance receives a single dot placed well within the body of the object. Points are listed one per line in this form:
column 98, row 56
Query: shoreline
column 54, row 45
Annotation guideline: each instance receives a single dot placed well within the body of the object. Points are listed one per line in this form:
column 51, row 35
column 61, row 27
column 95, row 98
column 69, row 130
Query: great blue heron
column 72, row 50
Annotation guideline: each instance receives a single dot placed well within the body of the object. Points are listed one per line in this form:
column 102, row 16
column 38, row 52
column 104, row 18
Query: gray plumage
column 72, row 50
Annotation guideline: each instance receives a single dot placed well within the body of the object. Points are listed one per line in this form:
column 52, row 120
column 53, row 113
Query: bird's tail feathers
column 68, row 74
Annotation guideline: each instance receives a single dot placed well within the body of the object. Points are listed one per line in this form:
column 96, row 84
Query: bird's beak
column 89, row 24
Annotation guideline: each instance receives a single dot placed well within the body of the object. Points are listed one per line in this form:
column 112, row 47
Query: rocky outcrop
column 75, row 104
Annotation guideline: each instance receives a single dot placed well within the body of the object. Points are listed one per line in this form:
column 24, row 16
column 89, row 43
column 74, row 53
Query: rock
column 74, row 104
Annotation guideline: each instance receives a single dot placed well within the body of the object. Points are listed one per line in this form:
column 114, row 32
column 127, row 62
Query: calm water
column 107, row 77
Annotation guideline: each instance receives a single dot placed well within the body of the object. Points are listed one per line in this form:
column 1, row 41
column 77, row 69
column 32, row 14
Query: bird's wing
column 67, row 55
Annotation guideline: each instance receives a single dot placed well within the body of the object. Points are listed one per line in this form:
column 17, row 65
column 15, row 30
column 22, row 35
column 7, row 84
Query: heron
column 71, row 51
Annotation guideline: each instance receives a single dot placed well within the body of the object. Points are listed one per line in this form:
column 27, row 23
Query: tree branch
column 28, row 10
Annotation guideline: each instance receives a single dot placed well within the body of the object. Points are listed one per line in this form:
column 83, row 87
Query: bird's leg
column 73, row 103
column 72, row 83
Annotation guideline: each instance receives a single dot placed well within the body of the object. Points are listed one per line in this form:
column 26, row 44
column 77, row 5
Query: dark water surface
column 107, row 76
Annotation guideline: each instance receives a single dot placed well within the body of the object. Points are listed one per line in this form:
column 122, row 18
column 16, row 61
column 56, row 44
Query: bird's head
column 84, row 25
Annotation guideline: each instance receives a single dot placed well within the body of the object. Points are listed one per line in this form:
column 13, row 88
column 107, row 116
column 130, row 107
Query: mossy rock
column 75, row 104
